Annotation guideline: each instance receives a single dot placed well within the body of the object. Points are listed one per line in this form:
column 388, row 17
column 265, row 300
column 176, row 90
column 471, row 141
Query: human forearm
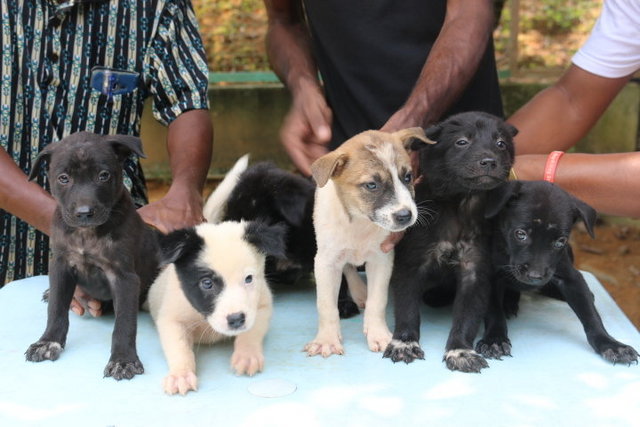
column 22, row 198
column 451, row 64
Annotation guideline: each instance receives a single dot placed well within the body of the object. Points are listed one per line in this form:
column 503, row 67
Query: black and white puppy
column 214, row 288
column 98, row 241
column 533, row 222
column 448, row 251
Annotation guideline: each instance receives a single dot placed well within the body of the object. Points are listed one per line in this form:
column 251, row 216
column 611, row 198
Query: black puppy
column 267, row 193
column 448, row 252
column 533, row 221
column 98, row 242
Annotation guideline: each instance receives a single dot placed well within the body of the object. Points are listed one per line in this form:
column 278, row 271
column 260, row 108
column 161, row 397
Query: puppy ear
column 586, row 213
column 292, row 205
column 511, row 129
column 499, row 197
column 268, row 239
column 411, row 137
column 433, row 132
column 176, row 244
column 328, row 166
column 45, row 155
column 124, row 145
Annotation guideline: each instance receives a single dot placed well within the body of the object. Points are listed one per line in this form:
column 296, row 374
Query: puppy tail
column 214, row 208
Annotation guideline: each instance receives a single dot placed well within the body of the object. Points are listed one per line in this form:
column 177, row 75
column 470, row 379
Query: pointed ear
column 124, row 145
column 176, row 244
column 328, row 166
column 500, row 196
column 413, row 136
column 268, row 239
column 586, row 213
column 45, row 155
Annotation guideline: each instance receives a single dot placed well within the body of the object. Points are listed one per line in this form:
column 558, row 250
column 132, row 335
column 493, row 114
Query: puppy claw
column 247, row 362
column 620, row 353
column 400, row 351
column 180, row 383
column 123, row 369
column 494, row 348
column 43, row 350
column 378, row 338
column 325, row 348
column 464, row 360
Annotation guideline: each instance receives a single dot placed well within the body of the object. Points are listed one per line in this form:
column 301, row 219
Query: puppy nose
column 236, row 320
column 535, row 275
column 84, row 211
column 402, row 216
column 489, row 163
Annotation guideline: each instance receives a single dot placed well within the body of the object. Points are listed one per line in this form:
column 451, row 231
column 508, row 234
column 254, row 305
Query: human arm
column 560, row 115
column 189, row 143
column 306, row 129
column 451, row 64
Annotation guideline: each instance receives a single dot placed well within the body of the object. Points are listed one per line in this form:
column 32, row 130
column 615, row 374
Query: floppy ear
column 124, row 145
column 176, row 244
column 292, row 205
column 499, row 197
column 433, row 132
column 511, row 129
column 45, row 155
column 586, row 213
column 268, row 239
column 328, row 166
column 413, row 136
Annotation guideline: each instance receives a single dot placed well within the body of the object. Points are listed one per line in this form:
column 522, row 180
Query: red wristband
column 551, row 165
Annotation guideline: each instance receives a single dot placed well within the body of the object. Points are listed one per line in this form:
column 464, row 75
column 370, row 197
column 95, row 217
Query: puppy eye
column 370, row 186
column 248, row 280
column 407, row 178
column 104, row 176
column 560, row 243
column 501, row 144
column 461, row 142
column 206, row 283
column 520, row 234
column 63, row 178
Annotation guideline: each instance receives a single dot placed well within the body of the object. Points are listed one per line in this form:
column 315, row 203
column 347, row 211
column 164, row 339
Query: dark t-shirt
column 370, row 54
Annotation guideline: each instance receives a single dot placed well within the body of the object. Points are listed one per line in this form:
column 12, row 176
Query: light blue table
column 553, row 379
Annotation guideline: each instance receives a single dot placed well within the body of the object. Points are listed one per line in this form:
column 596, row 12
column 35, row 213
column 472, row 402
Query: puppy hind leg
column 328, row 340
column 353, row 292
column 247, row 357
column 375, row 323
column 50, row 345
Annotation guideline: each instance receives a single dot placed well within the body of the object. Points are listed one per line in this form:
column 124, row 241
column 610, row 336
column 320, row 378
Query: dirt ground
column 613, row 257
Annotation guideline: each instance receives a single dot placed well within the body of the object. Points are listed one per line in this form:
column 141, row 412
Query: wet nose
column 402, row 216
column 236, row 320
column 488, row 163
column 84, row 211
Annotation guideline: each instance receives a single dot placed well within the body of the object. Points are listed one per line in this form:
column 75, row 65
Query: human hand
column 306, row 129
column 179, row 208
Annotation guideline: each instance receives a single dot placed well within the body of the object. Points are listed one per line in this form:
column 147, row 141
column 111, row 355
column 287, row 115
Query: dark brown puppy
column 98, row 242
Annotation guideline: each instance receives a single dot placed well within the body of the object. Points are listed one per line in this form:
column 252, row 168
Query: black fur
column 269, row 194
column 98, row 242
column 445, row 256
column 533, row 222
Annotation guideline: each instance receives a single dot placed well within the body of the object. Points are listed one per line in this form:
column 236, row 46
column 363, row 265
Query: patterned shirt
column 88, row 65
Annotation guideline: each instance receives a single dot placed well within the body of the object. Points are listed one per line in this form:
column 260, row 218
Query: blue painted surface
column 553, row 378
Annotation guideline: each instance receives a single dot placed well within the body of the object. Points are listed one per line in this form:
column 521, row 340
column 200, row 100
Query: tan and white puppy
column 214, row 288
column 365, row 193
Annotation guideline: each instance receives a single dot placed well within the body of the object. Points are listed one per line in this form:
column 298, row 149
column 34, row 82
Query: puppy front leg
column 247, row 357
column 61, row 286
column 124, row 362
column 581, row 300
column 177, row 344
column 328, row 341
column 495, row 342
column 375, row 324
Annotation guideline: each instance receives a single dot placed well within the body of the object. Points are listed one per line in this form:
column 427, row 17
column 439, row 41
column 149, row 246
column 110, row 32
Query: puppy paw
column 180, row 383
column 324, row 346
column 43, row 350
column 123, row 369
column 494, row 348
column 400, row 351
column 620, row 353
column 464, row 360
column 247, row 361
column 378, row 337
